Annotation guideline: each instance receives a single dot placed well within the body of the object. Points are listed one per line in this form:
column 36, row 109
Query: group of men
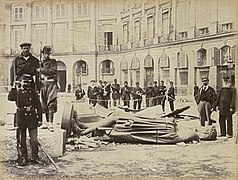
column 104, row 92
column 33, row 78
column 208, row 101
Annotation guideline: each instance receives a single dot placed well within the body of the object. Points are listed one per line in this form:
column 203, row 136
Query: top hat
column 25, row 44
column 47, row 49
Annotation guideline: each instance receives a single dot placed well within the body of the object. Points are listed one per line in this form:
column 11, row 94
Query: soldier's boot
column 51, row 125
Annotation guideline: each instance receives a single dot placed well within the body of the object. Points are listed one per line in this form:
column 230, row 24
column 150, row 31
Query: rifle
column 48, row 156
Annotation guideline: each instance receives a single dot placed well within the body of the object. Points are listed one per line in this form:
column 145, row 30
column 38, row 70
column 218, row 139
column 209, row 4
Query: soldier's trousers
column 33, row 143
column 223, row 121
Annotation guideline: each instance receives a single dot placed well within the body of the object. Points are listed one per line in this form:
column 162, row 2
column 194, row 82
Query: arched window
column 81, row 68
column 164, row 61
column 135, row 63
column 124, row 64
column 149, row 62
column 107, row 67
column 202, row 57
column 234, row 51
column 182, row 60
column 225, row 55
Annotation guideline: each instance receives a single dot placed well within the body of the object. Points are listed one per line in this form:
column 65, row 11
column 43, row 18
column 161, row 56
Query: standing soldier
column 171, row 96
column 106, row 94
column 156, row 94
column 100, row 93
column 49, row 88
column 137, row 95
column 29, row 112
column 195, row 92
column 226, row 102
column 126, row 94
column 162, row 98
column 149, row 94
column 79, row 92
column 115, row 93
column 206, row 100
column 92, row 93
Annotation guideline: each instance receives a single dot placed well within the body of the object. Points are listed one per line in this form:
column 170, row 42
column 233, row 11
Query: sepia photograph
column 118, row 89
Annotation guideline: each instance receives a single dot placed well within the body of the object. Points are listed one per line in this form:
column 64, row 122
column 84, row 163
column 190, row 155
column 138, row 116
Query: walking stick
column 48, row 156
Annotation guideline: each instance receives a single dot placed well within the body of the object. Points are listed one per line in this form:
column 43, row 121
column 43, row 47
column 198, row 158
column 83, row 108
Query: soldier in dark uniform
column 156, row 94
column 126, row 94
column 115, row 92
column 29, row 112
column 106, row 94
column 206, row 100
column 79, row 92
column 171, row 96
column 92, row 93
column 48, row 93
column 226, row 102
column 100, row 93
column 162, row 98
column 137, row 95
column 149, row 94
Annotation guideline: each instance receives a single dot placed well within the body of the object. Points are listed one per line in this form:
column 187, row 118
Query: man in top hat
column 49, row 88
column 206, row 99
column 24, row 77
column 226, row 102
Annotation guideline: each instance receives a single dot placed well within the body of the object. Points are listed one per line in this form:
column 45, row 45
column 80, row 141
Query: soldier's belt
column 26, row 108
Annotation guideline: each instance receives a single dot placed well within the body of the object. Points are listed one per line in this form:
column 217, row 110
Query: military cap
column 155, row 82
column 125, row 82
column 47, row 49
column 92, row 81
column 137, row 83
column 25, row 44
column 205, row 78
column 100, row 81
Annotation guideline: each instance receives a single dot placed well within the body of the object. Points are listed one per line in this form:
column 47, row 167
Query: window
column 60, row 10
column 83, row 8
column 108, row 41
column 81, row 68
column 39, row 36
column 183, row 35
column 164, row 61
column 202, row 57
column 225, row 55
column 227, row 27
column 107, row 67
column 183, row 77
column 18, row 13
column 60, row 38
column 39, row 11
column 150, row 27
column 182, row 60
column 125, row 33
column 18, row 37
column 203, row 31
column 137, row 31
column 165, row 22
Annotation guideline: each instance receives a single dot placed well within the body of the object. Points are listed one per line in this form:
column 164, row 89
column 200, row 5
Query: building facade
column 133, row 40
